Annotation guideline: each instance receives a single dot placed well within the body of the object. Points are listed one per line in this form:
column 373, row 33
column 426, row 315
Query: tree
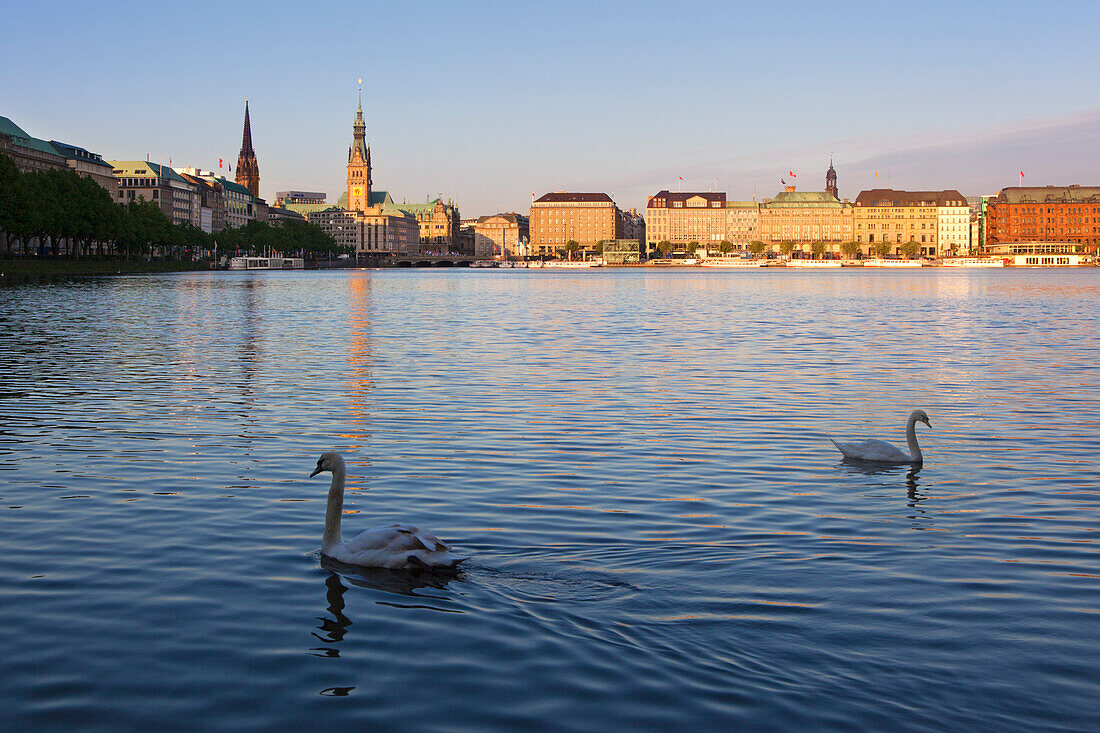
column 953, row 249
column 850, row 249
column 725, row 247
column 756, row 247
column 883, row 249
column 818, row 248
column 786, row 247
column 572, row 246
column 911, row 249
column 664, row 247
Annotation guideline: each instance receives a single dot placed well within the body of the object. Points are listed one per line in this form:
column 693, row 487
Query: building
column 178, row 198
column 211, row 202
column 365, row 220
column 238, row 205
column 370, row 232
column 622, row 252
column 439, row 223
column 248, row 170
column 284, row 198
column 90, row 165
column 560, row 217
column 277, row 213
column 505, row 235
column 830, row 181
column 1063, row 214
column 685, row 219
column 883, row 215
column 805, row 217
column 633, row 225
column 28, row 153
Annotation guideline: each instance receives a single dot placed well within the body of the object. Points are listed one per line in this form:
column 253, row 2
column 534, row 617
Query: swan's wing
column 872, row 450
column 396, row 538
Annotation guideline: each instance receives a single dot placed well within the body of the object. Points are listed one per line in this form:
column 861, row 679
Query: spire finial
column 360, row 94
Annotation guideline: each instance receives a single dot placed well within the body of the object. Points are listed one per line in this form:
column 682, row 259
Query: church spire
column 248, row 170
column 830, row 179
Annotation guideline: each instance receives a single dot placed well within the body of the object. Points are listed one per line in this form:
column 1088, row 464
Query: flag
column 1021, row 174
column 782, row 181
column 219, row 162
column 792, row 174
column 681, row 178
column 229, row 167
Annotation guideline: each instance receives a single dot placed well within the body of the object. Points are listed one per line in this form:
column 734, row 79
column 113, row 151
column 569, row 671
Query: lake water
column 663, row 536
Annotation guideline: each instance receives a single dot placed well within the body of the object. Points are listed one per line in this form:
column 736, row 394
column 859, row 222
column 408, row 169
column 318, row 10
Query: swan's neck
column 911, row 436
column 335, row 510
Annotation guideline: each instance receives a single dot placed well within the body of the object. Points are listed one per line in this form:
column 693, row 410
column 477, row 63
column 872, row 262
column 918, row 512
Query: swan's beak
column 315, row 472
column 928, row 423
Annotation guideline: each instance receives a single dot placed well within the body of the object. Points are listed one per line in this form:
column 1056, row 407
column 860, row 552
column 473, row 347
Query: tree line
column 62, row 213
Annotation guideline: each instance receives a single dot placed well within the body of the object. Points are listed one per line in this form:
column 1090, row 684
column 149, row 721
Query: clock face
column 357, row 191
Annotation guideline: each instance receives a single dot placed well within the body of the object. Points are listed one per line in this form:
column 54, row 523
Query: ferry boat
column 1047, row 260
column 267, row 263
column 736, row 262
column 973, row 262
column 814, row 263
column 879, row 262
column 571, row 265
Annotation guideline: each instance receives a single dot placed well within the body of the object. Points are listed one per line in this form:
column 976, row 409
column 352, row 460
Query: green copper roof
column 799, row 199
column 23, row 140
column 304, row 209
column 376, row 198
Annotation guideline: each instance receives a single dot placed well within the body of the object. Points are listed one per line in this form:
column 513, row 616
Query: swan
column 396, row 546
column 882, row 452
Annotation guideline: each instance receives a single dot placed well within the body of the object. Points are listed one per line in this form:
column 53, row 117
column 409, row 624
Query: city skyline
column 489, row 105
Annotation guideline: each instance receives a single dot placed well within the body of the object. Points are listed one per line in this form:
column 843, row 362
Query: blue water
column 663, row 537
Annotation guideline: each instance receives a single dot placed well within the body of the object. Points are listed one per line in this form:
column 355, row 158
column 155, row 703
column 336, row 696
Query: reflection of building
column 586, row 218
column 248, row 170
column 1045, row 214
column 504, row 234
column 883, row 215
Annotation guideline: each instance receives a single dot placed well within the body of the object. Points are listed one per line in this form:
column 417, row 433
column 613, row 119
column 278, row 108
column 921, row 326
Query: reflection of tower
column 360, row 360
column 248, row 170
column 359, row 180
column 830, row 180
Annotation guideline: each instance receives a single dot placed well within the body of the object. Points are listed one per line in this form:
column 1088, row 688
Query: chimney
column 788, row 189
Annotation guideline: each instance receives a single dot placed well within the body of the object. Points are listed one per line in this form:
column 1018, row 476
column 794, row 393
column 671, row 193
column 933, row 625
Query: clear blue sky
column 488, row 103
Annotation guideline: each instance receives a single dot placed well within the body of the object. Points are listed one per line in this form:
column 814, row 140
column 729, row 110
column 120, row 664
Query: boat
column 736, row 262
column 814, row 263
column 879, row 262
column 973, row 262
column 267, row 263
column 570, row 265
column 1047, row 260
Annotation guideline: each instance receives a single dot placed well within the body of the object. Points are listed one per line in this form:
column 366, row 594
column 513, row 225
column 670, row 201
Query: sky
column 488, row 103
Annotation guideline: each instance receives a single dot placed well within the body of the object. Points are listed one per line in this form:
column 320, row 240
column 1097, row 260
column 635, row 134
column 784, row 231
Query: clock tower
column 359, row 162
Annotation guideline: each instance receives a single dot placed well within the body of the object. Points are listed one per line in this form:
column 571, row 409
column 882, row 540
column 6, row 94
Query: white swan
column 397, row 546
column 882, row 452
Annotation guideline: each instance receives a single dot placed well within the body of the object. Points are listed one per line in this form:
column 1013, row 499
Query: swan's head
column 328, row 461
column 922, row 416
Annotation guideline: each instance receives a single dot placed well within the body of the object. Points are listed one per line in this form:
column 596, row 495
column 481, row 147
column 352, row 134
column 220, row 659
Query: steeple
column 830, row 179
column 248, row 170
column 359, row 178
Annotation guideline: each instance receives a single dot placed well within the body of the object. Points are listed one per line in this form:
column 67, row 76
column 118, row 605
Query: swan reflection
column 912, row 474
column 401, row 582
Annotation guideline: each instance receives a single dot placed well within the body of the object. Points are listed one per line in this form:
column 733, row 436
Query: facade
column 633, row 225
column 369, row 232
column 178, row 198
column 560, row 217
column 439, row 223
column 248, row 170
column 90, row 165
column 238, row 206
column 1064, row 214
column 211, row 202
column 29, row 153
column 883, row 215
column 506, row 235
column 622, row 252
column 278, row 213
column 805, row 217
column 704, row 218
column 283, row 198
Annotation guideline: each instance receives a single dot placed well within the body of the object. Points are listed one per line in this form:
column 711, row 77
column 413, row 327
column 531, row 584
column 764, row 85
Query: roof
column 804, row 199
column 1044, row 194
column 562, row 197
column 377, row 198
column 229, row 185
column 23, row 140
column 508, row 216
column 143, row 168
column 890, row 197
column 670, row 196
column 74, row 152
column 304, row 209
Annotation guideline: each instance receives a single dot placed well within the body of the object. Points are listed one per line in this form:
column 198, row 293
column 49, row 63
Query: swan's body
column 397, row 546
column 880, row 451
